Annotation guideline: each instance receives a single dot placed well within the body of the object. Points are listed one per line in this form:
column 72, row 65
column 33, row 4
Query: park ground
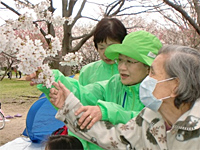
column 16, row 97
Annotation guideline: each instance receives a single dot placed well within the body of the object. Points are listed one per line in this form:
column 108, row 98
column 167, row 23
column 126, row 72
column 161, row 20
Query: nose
column 122, row 66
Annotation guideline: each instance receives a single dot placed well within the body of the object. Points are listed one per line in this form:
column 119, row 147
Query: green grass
column 15, row 90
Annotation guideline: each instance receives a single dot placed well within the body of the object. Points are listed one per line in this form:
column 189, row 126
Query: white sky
column 90, row 10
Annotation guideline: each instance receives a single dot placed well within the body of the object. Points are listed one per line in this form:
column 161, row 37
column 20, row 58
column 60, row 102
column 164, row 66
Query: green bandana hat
column 140, row 45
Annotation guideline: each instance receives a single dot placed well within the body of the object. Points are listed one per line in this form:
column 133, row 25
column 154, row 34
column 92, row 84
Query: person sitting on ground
column 63, row 142
column 171, row 118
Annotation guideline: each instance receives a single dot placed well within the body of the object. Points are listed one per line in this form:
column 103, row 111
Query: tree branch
column 185, row 15
column 70, row 7
column 78, row 15
column 10, row 8
column 83, row 40
column 118, row 10
column 197, row 9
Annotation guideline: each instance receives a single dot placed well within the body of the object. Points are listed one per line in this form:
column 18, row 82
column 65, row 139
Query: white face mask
column 146, row 93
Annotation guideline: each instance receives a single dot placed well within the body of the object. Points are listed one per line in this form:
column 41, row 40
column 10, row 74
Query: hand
column 33, row 76
column 91, row 115
column 30, row 77
column 58, row 94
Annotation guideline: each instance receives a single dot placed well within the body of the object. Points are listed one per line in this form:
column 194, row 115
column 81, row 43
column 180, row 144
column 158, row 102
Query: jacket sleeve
column 85, row 94
column 119, row 136
column 115, row 113
column 82, row 79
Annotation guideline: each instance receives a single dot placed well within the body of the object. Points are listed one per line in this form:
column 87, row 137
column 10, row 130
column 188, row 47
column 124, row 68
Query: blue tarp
column 40, row 121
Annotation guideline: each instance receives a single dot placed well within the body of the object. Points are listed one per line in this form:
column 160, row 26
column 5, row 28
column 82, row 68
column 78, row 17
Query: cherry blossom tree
column 40, row 20
column 180, row 20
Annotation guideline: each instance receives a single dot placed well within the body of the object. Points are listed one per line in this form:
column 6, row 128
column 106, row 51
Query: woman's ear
column 175, row 87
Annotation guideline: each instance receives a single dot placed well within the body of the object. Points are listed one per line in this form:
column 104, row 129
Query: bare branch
column 139, row 6
column 70, row 7
column 78, row 15
column 79, row 37
column 9, row 56
column 10, row 8
column 83, row 40
column 185, row 14
column 64, row 8
column 90, row 18
column 118, row 10
column 197, row 9
column 145, row 11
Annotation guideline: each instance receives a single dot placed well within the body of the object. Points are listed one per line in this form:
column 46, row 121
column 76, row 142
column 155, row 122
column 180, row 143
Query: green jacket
column 116, row 100
column 97, row 71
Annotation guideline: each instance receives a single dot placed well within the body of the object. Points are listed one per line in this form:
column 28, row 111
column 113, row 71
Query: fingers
column 80, row 110
column 91, row 114
column 32, row 83
column 31, row 76
column 89, row 122
column 86, row 121
column 56, row 85
column 84, row 116
column 92, row 122
column 62, row 86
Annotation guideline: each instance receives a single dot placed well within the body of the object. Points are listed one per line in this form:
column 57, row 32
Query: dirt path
column 15, row 127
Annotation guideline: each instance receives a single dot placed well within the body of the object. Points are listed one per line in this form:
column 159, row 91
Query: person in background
column 20, row 74
column 63, row 142
column 9, row 74
column 108, row 31
column 171, row 118
column 15, row 70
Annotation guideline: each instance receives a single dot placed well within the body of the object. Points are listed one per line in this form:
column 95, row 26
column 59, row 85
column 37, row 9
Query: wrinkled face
column 157, row 72
column 102, row 47
column 131, row 71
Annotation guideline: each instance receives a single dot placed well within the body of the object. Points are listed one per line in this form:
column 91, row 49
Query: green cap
column 140, row 45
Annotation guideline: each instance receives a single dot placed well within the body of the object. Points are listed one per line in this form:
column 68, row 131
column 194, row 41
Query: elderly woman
column 171, row 117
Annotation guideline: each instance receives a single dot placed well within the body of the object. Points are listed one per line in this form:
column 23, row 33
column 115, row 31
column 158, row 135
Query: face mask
column 146, row 93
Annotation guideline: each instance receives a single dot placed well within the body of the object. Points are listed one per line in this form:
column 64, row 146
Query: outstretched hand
column 58, row 94
column 91, row 114
column 30, row 77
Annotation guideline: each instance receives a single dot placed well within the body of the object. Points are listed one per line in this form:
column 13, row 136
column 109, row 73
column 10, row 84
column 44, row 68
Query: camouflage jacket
column 146, row 131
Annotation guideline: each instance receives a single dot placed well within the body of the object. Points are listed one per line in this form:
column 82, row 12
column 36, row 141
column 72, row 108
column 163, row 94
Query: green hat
column 140, row 45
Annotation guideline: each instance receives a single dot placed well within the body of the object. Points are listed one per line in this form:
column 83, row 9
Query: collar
column 190, row 120
column 132, row 88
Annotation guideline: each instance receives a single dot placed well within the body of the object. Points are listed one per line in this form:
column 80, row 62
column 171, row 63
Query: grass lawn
column 16, row 90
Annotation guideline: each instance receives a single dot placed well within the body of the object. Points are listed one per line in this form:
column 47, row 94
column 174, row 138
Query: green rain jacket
column 118, row 103
column 97, row 71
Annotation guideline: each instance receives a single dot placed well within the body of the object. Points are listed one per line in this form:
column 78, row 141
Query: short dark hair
column 63, row 142
column 109, row 28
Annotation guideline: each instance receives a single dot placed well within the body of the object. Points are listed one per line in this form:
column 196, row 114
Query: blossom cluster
column 9, row 43
column 45, row 76
column 72, row 59
column 54, row 46
column 31, row 53
column 31, row 56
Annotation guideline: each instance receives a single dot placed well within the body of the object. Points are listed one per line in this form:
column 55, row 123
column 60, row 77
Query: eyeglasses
column 126, row 62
